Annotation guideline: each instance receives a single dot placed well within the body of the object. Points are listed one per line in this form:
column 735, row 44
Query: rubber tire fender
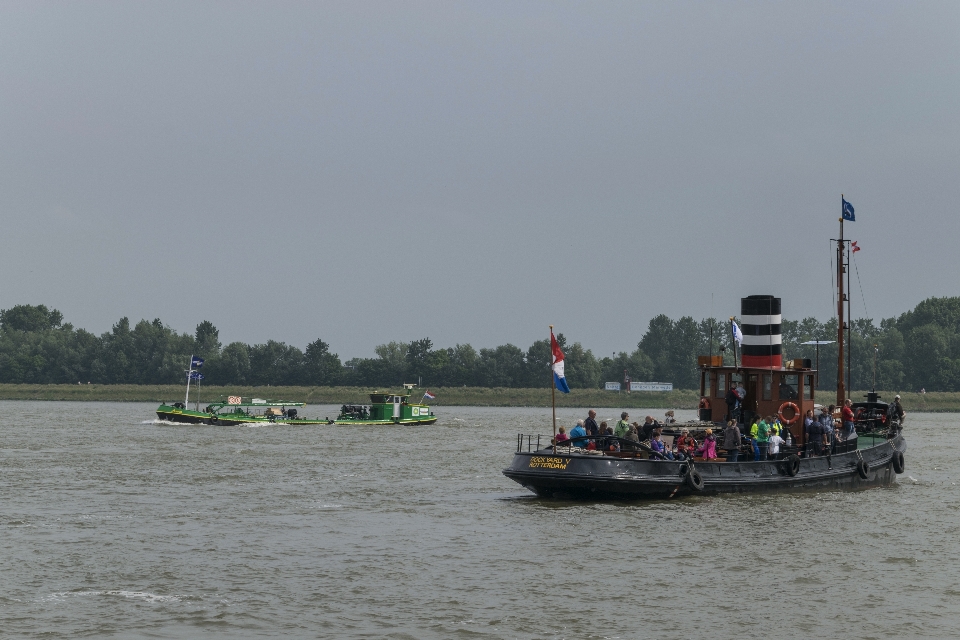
column 791, row 464
column 863, row 469
column 897, row 460
column 695, row 480
column 213, row 420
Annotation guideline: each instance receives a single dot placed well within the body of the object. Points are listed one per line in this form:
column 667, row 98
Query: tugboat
column 386, row 409
column 870, row 457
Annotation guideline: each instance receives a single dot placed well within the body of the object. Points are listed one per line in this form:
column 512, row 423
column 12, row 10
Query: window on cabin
column 767, row 393
column 721, row 385
column 705, row 390
column 808, row 388
column 789, row 385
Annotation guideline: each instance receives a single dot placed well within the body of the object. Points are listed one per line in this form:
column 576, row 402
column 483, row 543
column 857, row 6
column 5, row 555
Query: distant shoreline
column 452, row 396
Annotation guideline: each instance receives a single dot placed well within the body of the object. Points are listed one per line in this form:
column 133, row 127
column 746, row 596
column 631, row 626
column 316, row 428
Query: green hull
column 186, row 416
column 348, row 421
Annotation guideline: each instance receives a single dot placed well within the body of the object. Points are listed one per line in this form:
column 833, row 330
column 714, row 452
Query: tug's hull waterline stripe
column 760, row 323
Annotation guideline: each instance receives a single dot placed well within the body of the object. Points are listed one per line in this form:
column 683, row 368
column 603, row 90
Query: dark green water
column 114, row 526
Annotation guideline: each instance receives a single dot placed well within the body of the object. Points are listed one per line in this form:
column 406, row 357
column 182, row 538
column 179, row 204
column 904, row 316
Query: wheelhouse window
column 767, row 392
column 721, row 385
column 808, row 388
column 789, row 385
column 705, row 391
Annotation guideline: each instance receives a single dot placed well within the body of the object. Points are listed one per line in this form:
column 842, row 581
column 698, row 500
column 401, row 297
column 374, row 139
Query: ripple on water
column 122, row 525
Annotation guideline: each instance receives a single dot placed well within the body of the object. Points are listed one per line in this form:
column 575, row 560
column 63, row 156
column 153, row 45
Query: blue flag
column 848, row 211
column 195, row 362
column 195, row 375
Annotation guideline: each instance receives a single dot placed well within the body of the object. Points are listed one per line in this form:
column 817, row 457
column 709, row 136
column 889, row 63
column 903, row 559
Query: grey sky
column 472, row 172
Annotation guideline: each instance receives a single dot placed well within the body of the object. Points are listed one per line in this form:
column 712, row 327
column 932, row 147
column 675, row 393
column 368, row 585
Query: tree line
column 918, row 349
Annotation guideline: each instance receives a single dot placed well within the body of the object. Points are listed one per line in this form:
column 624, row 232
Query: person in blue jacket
column 577, row 434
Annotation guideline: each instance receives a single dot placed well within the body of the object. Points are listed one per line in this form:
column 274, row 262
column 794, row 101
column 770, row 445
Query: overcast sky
column 472, row 172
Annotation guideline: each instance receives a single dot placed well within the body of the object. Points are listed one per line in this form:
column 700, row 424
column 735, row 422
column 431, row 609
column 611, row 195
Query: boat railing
column 528, row 443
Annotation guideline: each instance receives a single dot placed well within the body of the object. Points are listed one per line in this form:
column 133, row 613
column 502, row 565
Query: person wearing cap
column 623, row 426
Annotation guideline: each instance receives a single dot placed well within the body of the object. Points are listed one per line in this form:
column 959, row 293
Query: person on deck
column 632, row 435
column 562, row 436
column 896, row 411
column 709, row 447
column 656, row 443
column 577, row 435
column 773, row 446
column 623, row 427
column 602, row 442
column 590, row 424
column 611, row 443
column 732, row 400
column 741, row 396
column 849, row 427
column 754, row 429
column 814, row 431
column 685, row 445
column 731, row 441
column 763, row 435
column 826, row 421
column 646, row 431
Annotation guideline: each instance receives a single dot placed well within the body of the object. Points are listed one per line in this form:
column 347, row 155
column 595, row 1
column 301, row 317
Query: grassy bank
column 462, row 396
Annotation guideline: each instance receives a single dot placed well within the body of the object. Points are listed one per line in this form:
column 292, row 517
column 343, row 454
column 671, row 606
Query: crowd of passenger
column 766, row 437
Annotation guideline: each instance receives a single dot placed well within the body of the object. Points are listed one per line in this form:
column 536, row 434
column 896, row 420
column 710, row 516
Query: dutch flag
column 558, row 378
column 428, row 395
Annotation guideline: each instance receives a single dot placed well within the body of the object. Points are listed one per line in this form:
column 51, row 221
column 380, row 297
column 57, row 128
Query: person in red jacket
column 849, row 430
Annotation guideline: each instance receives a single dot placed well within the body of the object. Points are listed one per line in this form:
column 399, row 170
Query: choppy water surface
column 113, row 525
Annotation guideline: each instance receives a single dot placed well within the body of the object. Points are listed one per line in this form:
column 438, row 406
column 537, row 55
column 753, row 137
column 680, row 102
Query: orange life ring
column 704, row 403
column 796, row 413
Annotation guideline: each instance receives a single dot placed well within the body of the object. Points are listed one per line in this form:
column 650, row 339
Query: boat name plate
column 548, row 462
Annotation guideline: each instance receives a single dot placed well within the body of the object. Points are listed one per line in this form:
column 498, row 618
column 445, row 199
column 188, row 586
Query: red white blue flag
column 558, row 378
column 428, row 395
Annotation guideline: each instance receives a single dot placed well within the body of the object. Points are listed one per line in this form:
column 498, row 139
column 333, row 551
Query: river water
column 114, row 525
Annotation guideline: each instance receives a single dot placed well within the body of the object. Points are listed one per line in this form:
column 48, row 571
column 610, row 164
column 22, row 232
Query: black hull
column 182, row 418
column 594, row 476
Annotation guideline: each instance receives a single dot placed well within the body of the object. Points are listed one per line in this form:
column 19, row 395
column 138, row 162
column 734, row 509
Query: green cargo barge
column 235, row 410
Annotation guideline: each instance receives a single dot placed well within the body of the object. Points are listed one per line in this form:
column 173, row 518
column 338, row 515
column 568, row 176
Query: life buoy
column 898, row 464
column 791, row 464
column 796, row 412
column 704, row 403
column 863, row 469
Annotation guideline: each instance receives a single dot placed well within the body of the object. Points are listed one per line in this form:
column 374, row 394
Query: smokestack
column 760, row 323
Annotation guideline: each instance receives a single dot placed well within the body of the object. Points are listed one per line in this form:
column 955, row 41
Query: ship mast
column 841, row 389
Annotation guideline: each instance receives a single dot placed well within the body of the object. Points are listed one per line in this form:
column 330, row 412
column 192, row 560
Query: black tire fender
column 897, row 460
column 791, row 464
column 213, row 420
column 863, row 469
column 695, row 480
